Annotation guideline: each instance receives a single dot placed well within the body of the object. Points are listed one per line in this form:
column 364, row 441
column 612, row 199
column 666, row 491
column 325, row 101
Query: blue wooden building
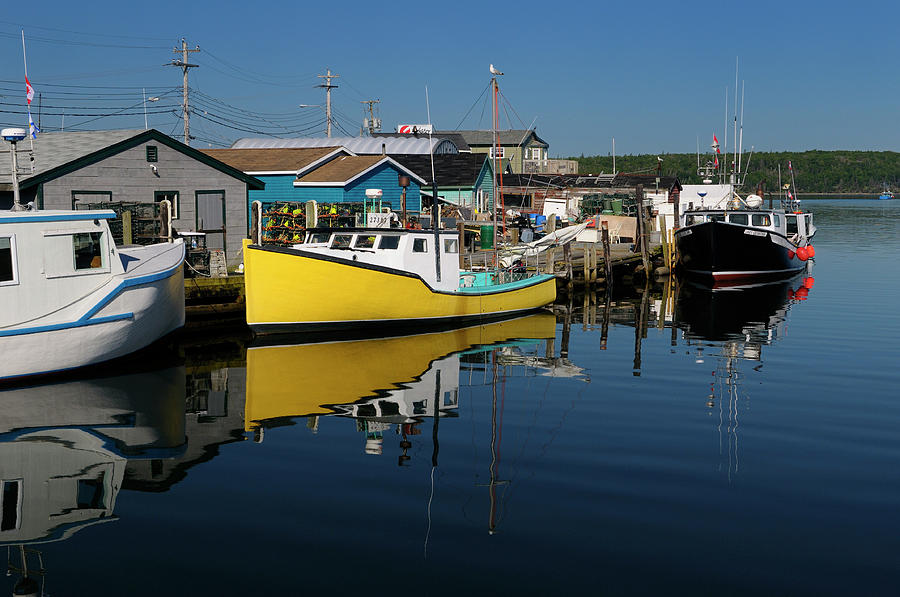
column 324, row 174
column 346, row 178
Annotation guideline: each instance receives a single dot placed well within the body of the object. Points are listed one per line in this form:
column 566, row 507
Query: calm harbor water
column 669, row 442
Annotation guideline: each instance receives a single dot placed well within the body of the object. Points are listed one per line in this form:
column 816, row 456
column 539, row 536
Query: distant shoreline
column 839, row 195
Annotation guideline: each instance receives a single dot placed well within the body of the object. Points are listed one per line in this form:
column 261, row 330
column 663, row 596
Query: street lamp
column 147, row 99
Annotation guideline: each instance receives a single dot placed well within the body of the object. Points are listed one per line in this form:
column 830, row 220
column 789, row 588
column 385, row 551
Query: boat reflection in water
column 64, row 450
column 733, row 326
column 383, row 381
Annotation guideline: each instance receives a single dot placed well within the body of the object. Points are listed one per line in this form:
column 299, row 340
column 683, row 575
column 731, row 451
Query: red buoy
column 811, row 250
column 790, row 254
column 802, row 253
column 801, row 293
column 790, row 293
column 808, row 282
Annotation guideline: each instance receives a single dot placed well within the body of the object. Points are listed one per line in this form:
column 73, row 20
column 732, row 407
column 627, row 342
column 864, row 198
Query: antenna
column 734, row 171
column 741, row 138
column 435, row 208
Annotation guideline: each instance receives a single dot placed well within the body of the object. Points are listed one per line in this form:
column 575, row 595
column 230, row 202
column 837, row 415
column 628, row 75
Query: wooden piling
column 127, row 236
column 586, row 265
column 643, row 228
column 607, row 262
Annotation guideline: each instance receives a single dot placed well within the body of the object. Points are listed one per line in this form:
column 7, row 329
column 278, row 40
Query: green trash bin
column 487, row 237
column 617, row 207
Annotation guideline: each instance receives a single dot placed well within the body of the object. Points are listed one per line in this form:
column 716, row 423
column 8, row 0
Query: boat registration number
column 684, row 232
column 755, row 233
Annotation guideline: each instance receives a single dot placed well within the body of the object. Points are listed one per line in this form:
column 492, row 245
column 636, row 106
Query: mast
column 494, row 151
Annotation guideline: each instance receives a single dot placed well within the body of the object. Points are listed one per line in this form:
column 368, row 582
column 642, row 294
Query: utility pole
column 183, row 63
column 371, row 122
column 328, row 87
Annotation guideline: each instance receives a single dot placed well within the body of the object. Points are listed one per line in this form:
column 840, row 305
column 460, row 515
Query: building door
column 211, row 217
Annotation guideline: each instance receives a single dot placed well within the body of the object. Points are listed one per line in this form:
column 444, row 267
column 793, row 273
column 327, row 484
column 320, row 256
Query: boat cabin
column 395, row 248
column 793, row 226
column 50, row 259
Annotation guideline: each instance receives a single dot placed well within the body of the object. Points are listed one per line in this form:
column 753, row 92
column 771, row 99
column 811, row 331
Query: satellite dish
column 13, row 135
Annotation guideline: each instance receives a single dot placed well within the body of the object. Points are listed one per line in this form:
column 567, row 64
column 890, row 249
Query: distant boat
column 886, row 193
column 70, row 298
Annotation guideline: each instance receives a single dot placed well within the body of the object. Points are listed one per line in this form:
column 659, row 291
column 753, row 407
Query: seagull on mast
column 494, row 71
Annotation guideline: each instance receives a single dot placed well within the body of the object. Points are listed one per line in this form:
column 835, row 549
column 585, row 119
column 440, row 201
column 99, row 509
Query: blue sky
column 653, row 75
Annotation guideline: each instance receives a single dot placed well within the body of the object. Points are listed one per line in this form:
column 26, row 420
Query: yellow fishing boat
column 346, row 278
column 341, row 373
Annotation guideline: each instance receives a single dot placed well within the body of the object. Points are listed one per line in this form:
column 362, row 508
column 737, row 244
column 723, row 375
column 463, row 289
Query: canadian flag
column 29, row 91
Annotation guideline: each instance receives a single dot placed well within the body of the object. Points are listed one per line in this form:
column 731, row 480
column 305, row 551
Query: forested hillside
column 815, row 171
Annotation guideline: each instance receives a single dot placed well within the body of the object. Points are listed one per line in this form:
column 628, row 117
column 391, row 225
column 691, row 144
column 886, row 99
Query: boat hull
column 292, row 290
column 725, row 254
column 137, row 315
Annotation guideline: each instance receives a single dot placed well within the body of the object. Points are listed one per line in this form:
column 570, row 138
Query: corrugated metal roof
column 358, row 145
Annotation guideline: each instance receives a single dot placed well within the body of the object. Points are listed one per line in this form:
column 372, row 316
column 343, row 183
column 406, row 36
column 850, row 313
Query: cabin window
column 451, row 245
column 341, row 241
column 791, row 222
column 90, row 493
column 10, row 501
column 420, row 245
column 319, row 237
column 690, row 220
column 88, row 251
column 365, row 242
column 7, row 260
column 716, row 217
column 777, row 219
column 741, row 219
column 389, row 242
column 761, row 220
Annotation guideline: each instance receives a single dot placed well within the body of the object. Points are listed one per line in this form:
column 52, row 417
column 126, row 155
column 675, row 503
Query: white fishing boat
column 71, row 298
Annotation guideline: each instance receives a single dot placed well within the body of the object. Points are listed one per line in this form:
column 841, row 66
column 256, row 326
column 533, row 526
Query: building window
column 87, row 249
column 498, row 152
column 8, row 272
column 152, row 153
column 535, row 153
column 172, row 196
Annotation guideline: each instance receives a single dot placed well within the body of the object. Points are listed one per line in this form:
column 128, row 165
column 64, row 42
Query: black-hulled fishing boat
column 725, row 239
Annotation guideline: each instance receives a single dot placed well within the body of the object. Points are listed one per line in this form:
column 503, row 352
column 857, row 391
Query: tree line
column 815, row 171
